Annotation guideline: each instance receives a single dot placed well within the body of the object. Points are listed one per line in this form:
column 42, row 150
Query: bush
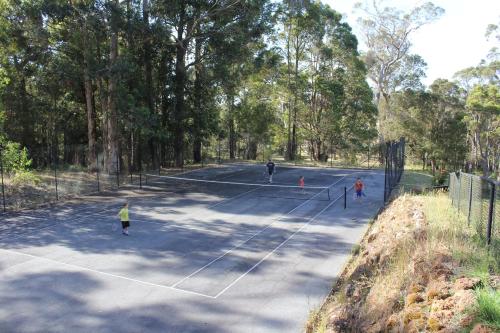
column 15, row 159
column 439, row 179
column 25, row 178
column 16, row 162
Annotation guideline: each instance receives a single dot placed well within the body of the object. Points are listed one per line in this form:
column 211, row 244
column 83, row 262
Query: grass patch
column 415, row 181
column 317, row 322
column 355, row 250
column 488, row 307
column 449, row 228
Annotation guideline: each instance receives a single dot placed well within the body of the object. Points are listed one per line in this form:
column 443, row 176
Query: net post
column 345, row 197
column 140, row 180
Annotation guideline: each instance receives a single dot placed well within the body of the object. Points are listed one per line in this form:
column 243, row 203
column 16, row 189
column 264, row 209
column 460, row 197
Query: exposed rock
column 356, row 295
column 437, row 290
column 392, row 324
column 349, row 289
column 494, row 281
column 411, row 313
column 414, row 298
column 433, row 301
column 465, row 283
column 372, row 237
column 415, row 288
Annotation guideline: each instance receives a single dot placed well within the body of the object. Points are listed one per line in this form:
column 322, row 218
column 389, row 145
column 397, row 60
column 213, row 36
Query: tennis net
column 229, row 188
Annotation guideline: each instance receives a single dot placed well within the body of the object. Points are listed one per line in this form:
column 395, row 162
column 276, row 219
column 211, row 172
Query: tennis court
column 211, row 250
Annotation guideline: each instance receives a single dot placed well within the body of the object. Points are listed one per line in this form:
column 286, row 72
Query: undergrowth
column 488, row 307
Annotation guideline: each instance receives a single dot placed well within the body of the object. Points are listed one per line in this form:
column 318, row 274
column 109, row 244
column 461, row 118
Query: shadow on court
column 200, row 258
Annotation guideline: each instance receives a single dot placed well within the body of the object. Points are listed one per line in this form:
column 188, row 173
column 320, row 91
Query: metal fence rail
column 478, row 199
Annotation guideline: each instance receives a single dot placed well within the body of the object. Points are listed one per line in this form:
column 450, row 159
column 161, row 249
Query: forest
column 146, row 84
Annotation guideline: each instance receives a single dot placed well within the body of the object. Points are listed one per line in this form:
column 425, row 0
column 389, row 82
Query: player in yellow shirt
column 123, row 214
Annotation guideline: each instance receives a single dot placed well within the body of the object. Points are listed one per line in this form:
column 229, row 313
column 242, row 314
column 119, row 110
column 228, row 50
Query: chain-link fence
column 58, row 173
column 394, row 165
column 478, row 199
column 53, row 171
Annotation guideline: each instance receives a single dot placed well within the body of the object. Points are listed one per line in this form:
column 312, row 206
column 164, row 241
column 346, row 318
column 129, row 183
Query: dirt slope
column 400, row 282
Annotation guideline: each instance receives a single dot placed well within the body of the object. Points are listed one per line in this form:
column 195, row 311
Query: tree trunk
column 147, row 56
column 251, row 151
column 89, row 101
column 198, row 97
column 232, row 139
column 104, row 122
column 113, row 164
column 101, row 88
column 295, row 101
column 180, row 78
column 289, row 149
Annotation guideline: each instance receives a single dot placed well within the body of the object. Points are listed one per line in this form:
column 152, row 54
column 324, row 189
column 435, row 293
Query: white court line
column 247, row 240
column 232, row 198
column 276, row 248
column 108, row 274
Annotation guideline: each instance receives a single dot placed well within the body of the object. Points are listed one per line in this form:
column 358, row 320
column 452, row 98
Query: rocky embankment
column 399, row 281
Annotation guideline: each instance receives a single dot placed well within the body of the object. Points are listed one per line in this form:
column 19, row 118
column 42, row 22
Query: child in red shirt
column 358, row 187
column 301, row 183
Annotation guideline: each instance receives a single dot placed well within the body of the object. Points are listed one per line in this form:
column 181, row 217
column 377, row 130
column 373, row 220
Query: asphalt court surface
column 202, row 257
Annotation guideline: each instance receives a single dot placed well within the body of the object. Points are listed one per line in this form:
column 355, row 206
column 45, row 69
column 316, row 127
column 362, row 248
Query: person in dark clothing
column 271, row 169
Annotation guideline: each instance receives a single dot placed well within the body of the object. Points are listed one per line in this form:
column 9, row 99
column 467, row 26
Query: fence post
column 345, row 197
column 1, row 172
column 470, row 200
column 385, row 179
column 490, row 213
column 97, row 172
column 55, row 173
column 459, row 190
column 452, row 188
column 368, row 156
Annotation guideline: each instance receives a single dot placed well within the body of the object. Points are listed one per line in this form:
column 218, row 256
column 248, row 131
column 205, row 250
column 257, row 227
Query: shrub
column 16, row 162
column 25, row 178
column 439, row 179
column 15, row 159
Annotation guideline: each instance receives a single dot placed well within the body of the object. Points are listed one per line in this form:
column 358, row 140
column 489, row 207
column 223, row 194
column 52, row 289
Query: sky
column 453, row 42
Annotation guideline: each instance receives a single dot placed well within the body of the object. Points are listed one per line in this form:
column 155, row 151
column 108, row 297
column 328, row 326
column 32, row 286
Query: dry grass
column 449, row 228
column 316, row 322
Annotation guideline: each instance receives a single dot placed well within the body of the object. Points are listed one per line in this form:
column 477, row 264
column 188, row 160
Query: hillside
column 418, row 269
